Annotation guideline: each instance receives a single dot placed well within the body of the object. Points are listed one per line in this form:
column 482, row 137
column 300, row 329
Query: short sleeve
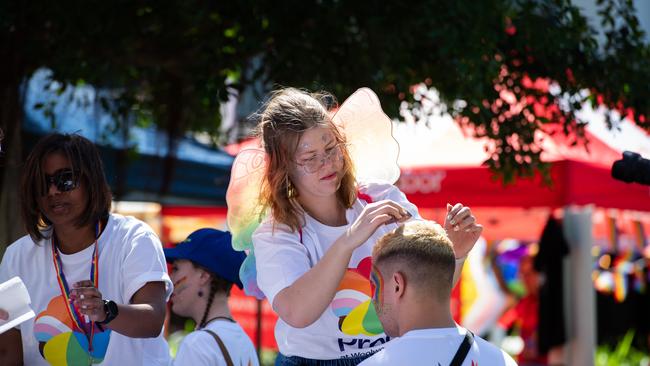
column 280, row 258
column 10, row 265
column 379, row 190
column 144, row 262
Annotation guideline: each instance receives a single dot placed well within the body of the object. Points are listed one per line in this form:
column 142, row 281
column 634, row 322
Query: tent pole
column 258, row 326
column 581, row 299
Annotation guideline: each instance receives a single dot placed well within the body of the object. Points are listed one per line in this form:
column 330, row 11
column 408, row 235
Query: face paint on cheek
column 177, row 286
column 377, row 286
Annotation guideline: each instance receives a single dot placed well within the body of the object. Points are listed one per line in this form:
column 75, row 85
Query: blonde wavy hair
column 284, row 118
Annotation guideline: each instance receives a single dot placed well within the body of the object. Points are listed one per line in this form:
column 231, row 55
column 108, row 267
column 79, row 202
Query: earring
column 291, row 190
column 200, row 293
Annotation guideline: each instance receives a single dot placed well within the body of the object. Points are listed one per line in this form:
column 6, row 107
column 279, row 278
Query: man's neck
column 72, row 239
column 425, row 315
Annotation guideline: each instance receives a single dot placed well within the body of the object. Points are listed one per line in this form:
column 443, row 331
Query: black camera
column 632, row 168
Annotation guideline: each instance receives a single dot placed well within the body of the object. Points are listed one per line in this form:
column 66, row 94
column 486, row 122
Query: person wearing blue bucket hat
column 204, row 269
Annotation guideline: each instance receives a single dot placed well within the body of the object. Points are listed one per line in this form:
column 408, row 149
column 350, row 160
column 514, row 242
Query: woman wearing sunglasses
column 313, row 252
column 98, row 281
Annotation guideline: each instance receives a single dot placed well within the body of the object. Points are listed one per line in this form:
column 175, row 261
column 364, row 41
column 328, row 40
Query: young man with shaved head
column 413, row 267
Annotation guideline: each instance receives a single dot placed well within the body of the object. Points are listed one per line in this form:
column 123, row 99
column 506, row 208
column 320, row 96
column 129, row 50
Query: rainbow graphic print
column 63, row 345
column 352, row 303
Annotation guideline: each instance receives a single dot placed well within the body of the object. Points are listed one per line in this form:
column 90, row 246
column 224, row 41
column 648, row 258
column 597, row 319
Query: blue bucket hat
column 211, row 249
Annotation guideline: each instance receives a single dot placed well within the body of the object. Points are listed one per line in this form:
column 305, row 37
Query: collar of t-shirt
column 435, row 333
column 76, row 266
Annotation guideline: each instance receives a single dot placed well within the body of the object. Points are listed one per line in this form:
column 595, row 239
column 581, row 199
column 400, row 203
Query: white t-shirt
column 349, row 327
column 200, row 348
column 130, row 255
column 437, row 347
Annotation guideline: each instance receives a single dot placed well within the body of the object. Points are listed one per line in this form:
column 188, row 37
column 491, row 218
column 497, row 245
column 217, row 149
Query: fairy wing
column 245, row 211
column 369, row 133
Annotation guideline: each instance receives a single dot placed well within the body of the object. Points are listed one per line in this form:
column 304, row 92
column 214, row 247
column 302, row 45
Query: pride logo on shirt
column 352, row 303
column 59, row 344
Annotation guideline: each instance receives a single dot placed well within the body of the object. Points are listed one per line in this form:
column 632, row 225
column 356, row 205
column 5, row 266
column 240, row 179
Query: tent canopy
column 444, row 164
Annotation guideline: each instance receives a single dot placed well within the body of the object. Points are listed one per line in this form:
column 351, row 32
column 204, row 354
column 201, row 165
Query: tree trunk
column 175, row 127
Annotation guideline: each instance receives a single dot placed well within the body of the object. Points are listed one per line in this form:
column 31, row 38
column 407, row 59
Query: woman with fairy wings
column 311, row 253
column 98, row 281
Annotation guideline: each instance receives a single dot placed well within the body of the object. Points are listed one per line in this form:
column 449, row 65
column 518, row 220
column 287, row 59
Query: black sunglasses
column 64, row 180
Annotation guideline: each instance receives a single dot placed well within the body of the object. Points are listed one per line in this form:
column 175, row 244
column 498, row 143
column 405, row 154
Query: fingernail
column 467, row 230
column 81, row 296
column 456, row 228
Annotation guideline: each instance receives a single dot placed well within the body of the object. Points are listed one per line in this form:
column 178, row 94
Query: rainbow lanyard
column 73, row 313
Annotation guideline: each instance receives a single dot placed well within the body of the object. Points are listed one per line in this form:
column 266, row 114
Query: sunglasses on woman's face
column 64, row 180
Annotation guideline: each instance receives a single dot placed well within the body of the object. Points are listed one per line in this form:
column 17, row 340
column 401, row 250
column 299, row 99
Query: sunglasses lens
column 65, row 186
column 66, row 181
column 63, row 181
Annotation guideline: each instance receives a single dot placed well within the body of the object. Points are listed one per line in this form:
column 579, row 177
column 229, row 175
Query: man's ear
column 399, row 284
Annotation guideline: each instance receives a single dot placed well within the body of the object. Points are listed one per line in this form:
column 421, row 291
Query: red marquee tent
column 443, row 163
column 454, row 171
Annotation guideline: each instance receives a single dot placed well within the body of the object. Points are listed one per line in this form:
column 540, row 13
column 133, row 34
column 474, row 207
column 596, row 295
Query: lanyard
column 77, row 320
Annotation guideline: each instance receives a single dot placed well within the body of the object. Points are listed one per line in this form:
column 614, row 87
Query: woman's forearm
column 302, row 303
column 145, row 315
column 138, row 320
column 11, row 348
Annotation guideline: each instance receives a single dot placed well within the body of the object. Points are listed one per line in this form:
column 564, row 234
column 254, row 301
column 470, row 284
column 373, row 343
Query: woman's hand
column 374, row 215
column 462, row 229
column 142, row 317
column 88, row 300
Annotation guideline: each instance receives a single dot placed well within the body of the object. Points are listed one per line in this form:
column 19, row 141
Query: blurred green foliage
column 623, row 354
column 172, row 62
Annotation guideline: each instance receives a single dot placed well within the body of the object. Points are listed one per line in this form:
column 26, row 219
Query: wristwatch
column 110, row 308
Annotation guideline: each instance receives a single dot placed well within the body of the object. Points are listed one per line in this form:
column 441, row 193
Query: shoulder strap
column 364, row 197
column 222, row 347
column 463, row 349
